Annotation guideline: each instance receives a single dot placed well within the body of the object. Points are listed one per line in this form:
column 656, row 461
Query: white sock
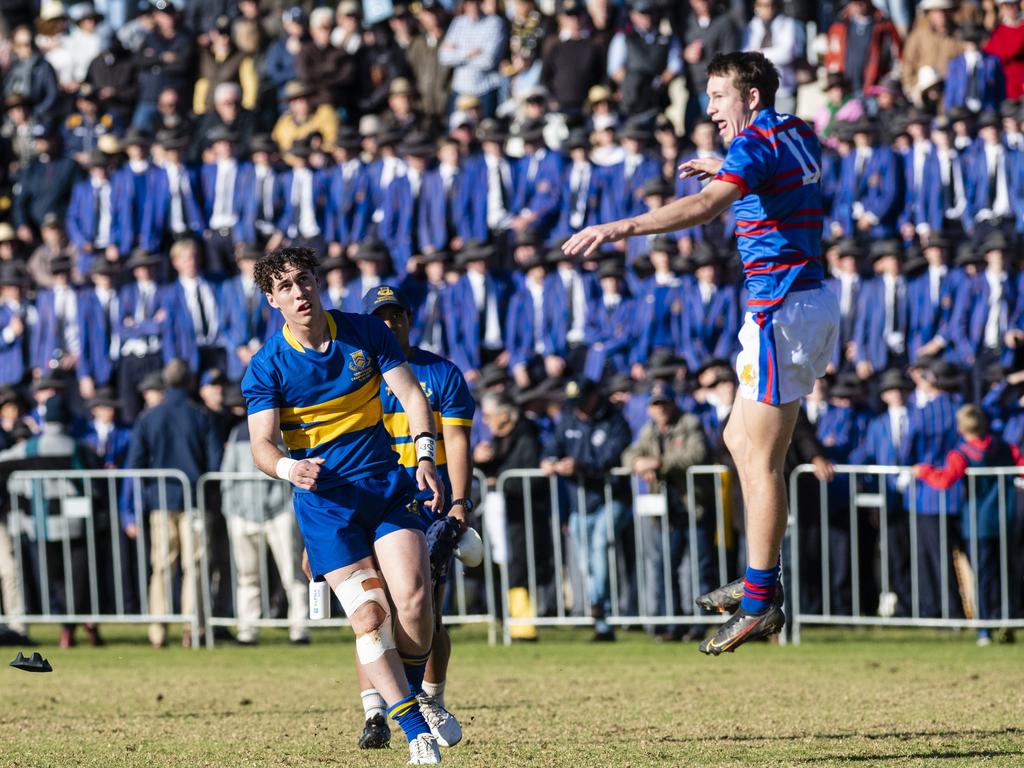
column 435, row 691
column 373, row 703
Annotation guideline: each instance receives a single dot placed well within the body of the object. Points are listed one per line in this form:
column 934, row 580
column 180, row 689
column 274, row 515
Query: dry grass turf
column 840, row 699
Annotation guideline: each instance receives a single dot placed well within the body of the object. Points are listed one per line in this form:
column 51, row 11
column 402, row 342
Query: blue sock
column 758, row 588
column 415, row 668
column 407, row 714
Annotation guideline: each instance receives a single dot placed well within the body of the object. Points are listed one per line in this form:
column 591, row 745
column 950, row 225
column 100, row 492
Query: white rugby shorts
column 785, row 350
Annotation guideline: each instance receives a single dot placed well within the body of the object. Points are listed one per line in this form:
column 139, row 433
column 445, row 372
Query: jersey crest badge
column 360, row 366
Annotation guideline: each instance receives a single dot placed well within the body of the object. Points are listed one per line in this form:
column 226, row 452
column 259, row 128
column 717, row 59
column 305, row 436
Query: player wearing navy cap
column 771, row 178
column 318, row 382
column 453, row 406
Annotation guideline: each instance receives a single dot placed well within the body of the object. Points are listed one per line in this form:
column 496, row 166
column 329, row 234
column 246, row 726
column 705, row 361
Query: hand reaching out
column 702, row 167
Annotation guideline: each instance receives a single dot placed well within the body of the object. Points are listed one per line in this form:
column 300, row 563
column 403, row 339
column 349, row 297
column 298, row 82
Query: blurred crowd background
column 150, row 153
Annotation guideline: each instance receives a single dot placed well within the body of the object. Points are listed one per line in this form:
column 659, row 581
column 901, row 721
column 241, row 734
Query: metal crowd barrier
column 60, row 512
column 561, row 600
column 958, row 567
column 65, row 540
column 467, row 591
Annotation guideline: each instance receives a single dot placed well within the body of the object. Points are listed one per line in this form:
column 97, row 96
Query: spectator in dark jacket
column 515, row 444
column 114, row 77
column 572, row 62
column 587, row 444
column 423, row 55
column 278, row 66
column 67, row 554
column 227, row 114
column 332, row 74
column 44, row 185
column 710, row 30
column 165, row 61
column 31, row 77
column 177, row 434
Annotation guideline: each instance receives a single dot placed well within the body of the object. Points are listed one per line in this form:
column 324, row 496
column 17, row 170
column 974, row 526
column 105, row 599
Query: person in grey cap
column 259, row 520
column 586, row 444
column 668, row 444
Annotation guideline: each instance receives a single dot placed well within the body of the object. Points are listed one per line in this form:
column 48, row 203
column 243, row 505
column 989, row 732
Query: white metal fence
column 470, row 597
column 926, row 568
column 858, row 551
column 70, row 553
column 650, row 581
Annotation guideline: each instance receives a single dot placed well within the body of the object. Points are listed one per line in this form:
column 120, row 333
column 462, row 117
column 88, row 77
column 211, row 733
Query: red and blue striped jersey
column 776, row 163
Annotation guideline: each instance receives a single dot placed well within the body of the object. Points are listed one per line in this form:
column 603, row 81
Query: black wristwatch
column 466, row 504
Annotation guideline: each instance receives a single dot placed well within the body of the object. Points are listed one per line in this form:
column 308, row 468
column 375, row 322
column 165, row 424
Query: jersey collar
column 294, row 343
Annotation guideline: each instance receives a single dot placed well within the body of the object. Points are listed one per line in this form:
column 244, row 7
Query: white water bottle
column 319, row 599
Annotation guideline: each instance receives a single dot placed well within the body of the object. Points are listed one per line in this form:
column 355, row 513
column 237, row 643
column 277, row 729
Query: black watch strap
column 466, row 504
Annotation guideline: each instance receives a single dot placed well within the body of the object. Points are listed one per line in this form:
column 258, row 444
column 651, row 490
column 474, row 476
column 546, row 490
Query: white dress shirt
column 223, row 216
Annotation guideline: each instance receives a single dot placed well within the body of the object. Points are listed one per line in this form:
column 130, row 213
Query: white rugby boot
column 423, row 750
column 446, row 729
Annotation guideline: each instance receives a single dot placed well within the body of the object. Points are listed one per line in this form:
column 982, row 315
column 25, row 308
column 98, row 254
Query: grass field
column 852, row 698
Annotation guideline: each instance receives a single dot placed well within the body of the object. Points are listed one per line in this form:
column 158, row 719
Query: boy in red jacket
column 993, row 498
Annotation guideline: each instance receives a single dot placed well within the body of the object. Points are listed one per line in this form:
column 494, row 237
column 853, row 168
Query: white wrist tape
column 426, row 448
column 284, row 467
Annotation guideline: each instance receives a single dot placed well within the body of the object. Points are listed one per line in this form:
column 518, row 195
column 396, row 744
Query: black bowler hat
column 704, row 255
column 474, row 250
column 883, row 248
column 895, row 379
column 141, row 258
column 849, row 386
column 372, row 250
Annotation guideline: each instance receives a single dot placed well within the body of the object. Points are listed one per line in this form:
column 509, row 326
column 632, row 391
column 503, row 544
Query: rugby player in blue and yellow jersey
column 771, row 176
column 453, row 408
column 318, row 382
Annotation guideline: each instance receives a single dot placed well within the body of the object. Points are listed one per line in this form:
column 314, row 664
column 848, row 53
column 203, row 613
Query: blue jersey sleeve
column 749, row 163
column 457, row 404
column 259, row 388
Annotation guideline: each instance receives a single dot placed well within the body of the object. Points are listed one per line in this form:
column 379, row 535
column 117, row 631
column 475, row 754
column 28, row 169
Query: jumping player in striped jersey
column 771, row 177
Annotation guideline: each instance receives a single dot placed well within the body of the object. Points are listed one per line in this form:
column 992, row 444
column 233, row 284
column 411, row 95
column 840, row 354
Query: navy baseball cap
column 213, row 377
column 661, row 393
column 382, row 296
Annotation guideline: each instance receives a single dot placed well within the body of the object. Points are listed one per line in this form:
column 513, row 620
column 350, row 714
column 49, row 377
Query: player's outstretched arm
column 263, row 430
column 403, row 382
column 679, row 214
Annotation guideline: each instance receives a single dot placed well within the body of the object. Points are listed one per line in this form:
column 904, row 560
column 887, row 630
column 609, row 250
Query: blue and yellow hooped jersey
column 450, row 402
column 329, row 402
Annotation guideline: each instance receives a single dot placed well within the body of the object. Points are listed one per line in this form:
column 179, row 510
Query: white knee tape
column 364, row 586
column 376, row 642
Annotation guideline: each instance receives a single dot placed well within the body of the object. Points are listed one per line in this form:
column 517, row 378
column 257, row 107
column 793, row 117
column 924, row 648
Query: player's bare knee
column 736, row 441
column 414, row 607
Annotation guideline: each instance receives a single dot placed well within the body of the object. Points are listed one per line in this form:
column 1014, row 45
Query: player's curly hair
column 276, row 263
column 748, row 69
